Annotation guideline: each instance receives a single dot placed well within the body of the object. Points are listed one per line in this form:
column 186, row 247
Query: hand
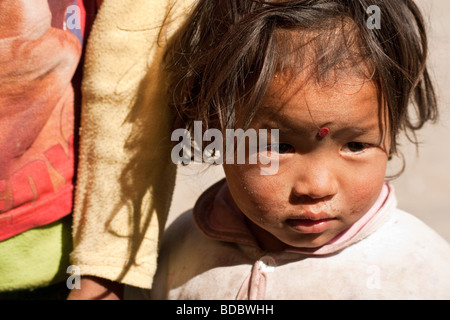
column 94, row 288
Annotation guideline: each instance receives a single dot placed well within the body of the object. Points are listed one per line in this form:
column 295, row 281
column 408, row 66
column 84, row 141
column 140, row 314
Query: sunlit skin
column 323, row 185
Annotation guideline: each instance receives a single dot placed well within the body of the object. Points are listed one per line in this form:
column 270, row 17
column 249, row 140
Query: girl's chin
column 310, row 242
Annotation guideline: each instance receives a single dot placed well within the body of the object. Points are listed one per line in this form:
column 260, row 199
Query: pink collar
column 217, row 216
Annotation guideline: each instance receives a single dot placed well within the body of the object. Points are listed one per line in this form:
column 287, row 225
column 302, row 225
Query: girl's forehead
column 323, row 54
column 286, row 88
column 349, row 100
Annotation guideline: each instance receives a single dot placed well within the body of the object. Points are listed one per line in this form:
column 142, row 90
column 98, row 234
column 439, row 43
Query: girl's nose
column 315, row 181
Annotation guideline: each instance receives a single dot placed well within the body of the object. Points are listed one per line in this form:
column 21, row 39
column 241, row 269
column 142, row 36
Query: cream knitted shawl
column 125, row 176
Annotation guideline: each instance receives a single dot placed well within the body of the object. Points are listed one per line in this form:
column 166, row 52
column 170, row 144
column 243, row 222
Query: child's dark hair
column 227, row 52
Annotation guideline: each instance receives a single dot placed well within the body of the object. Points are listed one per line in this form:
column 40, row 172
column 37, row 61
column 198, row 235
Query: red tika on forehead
column 323, row 132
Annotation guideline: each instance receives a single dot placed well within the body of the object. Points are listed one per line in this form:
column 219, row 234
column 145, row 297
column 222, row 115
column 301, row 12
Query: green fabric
column 36, row 258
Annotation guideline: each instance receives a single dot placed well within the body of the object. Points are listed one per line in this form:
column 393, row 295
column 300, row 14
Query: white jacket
column 210, row 254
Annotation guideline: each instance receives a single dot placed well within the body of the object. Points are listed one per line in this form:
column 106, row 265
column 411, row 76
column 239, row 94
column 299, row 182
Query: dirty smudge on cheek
column 361, row 201
column 258, row 197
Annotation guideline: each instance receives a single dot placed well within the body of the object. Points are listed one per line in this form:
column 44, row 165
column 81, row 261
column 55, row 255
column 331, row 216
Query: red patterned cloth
column 40, row 50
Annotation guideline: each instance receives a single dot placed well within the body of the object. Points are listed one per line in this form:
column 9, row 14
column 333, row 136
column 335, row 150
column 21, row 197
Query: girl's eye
column 281, row 148
column 355, row 147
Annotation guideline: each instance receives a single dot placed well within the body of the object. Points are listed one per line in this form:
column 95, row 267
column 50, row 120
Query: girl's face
column 323, row 185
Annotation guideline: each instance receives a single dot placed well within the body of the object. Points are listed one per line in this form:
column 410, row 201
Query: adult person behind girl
column 41, row 49
column 125, row 176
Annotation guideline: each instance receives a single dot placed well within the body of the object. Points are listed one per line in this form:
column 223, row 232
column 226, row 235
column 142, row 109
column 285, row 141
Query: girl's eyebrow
column 274, row 120
column 283, row 126
column 339, row 127
column 286, row 126
column 354, row 131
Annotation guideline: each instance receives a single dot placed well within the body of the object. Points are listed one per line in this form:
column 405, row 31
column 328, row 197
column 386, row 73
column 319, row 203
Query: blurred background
column 424, row 188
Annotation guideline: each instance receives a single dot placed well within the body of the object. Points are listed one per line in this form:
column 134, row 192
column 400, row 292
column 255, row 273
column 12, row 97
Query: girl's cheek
column 254, row 191
column 266, row 187
column 363, row 195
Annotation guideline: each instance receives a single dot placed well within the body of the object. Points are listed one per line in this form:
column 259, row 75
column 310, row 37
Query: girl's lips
column 310, row 225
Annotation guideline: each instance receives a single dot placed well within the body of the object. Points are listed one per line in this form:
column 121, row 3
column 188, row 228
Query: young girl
column 340, row 90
